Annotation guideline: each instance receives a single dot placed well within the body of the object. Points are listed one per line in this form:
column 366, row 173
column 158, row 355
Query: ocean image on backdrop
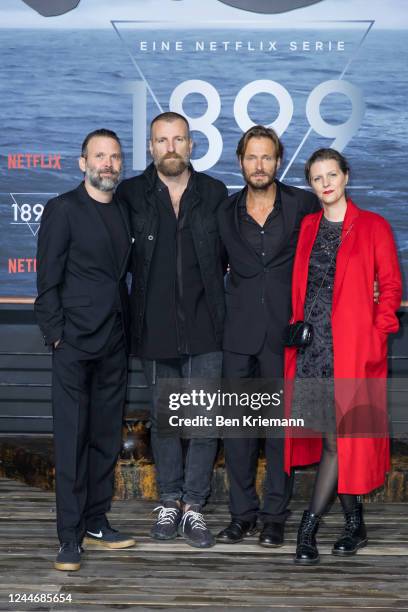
column 58, row 85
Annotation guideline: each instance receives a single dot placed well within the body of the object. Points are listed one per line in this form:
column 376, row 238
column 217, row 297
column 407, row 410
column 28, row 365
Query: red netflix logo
column 20, row 265
column 22, row 161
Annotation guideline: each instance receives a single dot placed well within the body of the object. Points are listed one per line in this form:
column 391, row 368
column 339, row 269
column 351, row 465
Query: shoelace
column 166, row 515
column 308, row 534
column 197, row 519
column 105, row 530
column 307, row 539
column 352, row 524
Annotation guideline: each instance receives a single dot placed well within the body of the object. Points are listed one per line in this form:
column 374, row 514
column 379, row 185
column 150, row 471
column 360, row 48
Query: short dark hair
column 100, row 132
column 169, row 116
column 325, row 154
column 259, row 131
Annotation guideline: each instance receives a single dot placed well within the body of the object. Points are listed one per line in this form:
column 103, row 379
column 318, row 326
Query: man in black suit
column 259, row 227
column 84, row 245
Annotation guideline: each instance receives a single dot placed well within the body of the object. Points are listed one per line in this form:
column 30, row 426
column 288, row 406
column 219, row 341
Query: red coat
column 360, row 329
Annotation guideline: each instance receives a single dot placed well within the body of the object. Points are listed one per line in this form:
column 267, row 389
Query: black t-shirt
column 115, row 225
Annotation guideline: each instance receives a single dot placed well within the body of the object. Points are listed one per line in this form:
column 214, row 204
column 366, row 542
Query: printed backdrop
column 317, row 77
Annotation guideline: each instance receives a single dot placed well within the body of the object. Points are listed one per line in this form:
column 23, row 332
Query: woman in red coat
column 339, row 379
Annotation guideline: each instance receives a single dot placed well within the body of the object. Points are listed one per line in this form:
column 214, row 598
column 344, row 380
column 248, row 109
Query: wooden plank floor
column 174, row 576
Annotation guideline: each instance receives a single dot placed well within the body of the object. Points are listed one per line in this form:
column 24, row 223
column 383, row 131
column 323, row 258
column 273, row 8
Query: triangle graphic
column 31, row 198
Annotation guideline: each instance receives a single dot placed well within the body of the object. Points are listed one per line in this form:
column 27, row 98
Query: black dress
column 313, row 397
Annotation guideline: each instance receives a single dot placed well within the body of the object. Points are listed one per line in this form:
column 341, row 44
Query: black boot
column 354, row 535
column 306, row 549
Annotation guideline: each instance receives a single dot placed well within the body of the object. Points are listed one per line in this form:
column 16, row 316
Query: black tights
column 325, row 485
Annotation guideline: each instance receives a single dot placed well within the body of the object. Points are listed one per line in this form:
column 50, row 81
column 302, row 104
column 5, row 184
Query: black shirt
column 177, row 319
column 263, row 239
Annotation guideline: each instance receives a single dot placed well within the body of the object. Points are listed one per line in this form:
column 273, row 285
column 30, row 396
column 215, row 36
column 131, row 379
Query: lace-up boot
column 354, row 535
column 194, row 530
column 306, row 549
column 165, row 527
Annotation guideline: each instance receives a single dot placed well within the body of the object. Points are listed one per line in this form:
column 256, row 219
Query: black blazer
column 78, row 279
column 258, row 294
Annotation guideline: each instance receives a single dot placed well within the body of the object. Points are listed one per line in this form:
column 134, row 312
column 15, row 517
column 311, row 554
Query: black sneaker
column 69, row 557
column 194, row 530
column 165, row 528
column 108, row 538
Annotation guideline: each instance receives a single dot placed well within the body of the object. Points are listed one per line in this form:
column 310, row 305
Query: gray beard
column 102, row 184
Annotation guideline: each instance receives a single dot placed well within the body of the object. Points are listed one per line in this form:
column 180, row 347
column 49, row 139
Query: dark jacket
column 138, row 194
column 258, row 293
column 78, row 279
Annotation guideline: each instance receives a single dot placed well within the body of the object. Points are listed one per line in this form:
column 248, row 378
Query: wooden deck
column 174, row 576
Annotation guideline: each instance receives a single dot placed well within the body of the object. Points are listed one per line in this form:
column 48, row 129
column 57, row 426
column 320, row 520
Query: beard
column 259, row 181
column 102, row 183
column 172, row 164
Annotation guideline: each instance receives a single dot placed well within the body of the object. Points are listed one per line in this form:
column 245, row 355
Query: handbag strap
column 327, row 270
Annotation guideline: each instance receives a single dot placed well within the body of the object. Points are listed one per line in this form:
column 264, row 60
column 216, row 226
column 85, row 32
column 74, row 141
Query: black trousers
column 241, row 454
column 88, row 397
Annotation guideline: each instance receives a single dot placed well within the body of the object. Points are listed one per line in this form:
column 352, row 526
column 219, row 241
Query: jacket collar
column 289, row 208
column 151, row 176
column 352, row 214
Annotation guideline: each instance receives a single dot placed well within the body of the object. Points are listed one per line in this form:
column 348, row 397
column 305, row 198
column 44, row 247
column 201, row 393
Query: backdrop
column 332, row 73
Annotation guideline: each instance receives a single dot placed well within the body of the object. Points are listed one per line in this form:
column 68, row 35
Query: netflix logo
column 22, row 265
column 22, row 161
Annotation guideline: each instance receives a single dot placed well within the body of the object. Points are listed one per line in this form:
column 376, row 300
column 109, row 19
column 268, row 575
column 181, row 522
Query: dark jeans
column 184, row 476
column 241, row 454
column 88, row 397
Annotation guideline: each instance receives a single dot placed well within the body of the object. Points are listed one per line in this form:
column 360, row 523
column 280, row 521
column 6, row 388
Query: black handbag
column 300, row 334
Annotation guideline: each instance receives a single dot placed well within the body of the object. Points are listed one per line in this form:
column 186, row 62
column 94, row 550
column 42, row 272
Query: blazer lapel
column 348, row 239
column 289, row 211
column 125, row 218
